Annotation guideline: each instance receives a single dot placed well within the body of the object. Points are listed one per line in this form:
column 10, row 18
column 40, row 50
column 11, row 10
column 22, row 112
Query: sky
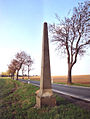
column 21, row 28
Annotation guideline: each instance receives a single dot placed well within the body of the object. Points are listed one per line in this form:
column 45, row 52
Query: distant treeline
column 15, row 75
column 10, row 75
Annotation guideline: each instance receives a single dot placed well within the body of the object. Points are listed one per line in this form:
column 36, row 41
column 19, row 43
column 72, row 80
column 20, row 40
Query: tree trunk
column 22, row 75
column 17, row 75
column 28, row 72
column 69, row 81
column 13, row 76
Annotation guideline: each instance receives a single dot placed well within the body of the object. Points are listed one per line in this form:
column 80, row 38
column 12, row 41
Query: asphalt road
column 78, row 92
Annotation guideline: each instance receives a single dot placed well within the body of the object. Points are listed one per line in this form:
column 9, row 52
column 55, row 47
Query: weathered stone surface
column 45, row 101
column 44, row 96
column 45, row 82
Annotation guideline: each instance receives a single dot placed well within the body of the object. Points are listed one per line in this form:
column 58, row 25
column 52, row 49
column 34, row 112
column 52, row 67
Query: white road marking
column 68, row 94
column 71, row 95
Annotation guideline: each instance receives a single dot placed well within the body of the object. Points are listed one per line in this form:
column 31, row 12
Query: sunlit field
column 82, row 79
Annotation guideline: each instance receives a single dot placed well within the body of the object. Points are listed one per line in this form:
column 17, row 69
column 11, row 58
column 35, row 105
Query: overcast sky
column 21, row 24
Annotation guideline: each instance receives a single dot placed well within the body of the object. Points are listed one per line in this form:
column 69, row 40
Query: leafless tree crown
column 72, row 35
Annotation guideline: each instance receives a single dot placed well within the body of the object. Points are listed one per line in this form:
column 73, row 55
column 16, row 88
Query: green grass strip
column 17, row 101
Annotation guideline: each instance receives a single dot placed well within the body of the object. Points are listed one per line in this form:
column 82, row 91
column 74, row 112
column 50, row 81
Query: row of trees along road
column 21, row 61
column 72, row 35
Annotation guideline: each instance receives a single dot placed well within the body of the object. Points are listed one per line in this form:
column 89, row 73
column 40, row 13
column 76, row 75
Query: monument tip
column 45, row 23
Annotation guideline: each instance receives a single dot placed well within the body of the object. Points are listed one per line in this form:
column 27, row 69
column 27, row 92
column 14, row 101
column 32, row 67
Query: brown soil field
column 82, row 79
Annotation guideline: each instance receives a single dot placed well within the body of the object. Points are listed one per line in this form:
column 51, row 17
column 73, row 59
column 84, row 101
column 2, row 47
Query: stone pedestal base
column 45, row 101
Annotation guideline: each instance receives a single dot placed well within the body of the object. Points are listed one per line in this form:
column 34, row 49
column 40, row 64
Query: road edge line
column 71, row 95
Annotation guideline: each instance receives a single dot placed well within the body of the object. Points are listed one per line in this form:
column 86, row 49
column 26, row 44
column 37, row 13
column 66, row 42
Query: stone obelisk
column 44, row 96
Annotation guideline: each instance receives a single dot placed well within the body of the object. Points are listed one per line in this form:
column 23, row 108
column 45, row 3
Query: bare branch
column 72, row 35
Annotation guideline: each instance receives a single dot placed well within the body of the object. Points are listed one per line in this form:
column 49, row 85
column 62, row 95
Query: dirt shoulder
column 80, row 103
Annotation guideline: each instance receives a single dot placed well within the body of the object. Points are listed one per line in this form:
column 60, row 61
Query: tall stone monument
column 44, row 96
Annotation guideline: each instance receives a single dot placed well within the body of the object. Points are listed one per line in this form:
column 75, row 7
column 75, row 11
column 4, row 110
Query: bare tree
column 12, row 67
column 21, row 59
column 72, row 35
column 29, row 63
column 23, row 70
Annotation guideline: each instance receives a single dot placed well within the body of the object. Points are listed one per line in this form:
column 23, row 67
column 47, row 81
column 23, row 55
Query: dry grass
column 32, row 77
column 82, row 79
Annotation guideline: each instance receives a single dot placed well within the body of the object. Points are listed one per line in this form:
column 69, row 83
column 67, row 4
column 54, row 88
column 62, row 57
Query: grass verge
column 78, row 84
column 75, row 84
column 17, row 101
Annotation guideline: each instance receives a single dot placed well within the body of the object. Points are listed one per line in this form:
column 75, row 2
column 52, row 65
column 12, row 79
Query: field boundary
column 73, row 85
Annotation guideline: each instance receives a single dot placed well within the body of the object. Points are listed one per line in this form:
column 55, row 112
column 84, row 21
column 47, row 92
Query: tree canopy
column 20, row 61
column 72, row 34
